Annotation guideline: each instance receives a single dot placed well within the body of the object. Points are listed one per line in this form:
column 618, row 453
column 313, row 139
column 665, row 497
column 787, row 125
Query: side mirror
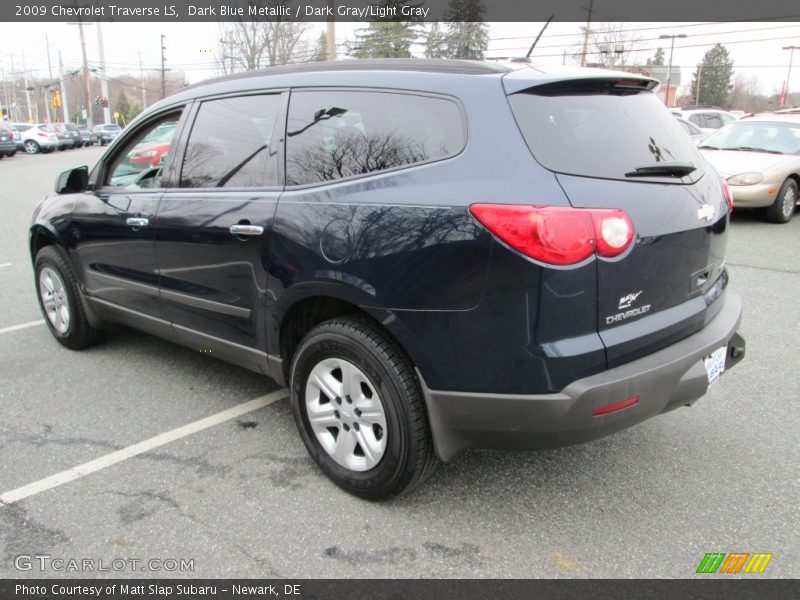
column 73, row 181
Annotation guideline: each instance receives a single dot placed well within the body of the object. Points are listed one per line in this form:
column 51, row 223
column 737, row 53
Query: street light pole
column 789, row 74
column 669, row 68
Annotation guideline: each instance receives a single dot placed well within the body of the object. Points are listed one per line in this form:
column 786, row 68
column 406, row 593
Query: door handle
column 137, row 221
column 246, row 230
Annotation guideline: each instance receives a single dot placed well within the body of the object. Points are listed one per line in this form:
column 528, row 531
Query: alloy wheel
column 346, row 414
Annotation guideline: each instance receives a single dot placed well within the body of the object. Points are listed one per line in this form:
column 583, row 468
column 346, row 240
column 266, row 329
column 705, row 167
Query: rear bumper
column 672, row 377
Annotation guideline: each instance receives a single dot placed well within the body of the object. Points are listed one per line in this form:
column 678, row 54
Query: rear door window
column 713, row 121
column 339, row 134
column 594, row 129
column 230, row 144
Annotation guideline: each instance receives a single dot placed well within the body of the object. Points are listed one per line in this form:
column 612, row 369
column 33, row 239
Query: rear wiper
column 664, row 169
column 752, row 149
column 709, row 147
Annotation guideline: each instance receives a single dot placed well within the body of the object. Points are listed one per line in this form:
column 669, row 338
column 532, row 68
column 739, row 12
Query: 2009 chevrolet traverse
column 432, row 255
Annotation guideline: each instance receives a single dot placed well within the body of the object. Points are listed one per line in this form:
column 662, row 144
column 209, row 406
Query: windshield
column 755, row 136
column 605, row 132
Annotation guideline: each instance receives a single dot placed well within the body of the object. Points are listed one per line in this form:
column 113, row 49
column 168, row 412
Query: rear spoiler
column 578, row 78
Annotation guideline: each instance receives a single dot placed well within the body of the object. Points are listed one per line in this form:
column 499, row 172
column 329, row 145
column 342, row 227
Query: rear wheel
column 32, row 147
column 786, row 200
column 359, row 411
column 60, row 301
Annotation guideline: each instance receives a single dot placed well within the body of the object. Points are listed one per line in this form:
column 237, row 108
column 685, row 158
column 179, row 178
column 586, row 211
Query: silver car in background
column 36, row 137
column 759, row 157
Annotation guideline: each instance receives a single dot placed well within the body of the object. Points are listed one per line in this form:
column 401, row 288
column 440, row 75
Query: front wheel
column 32, row 146
column 60, row 301
column 359, row 410
column 783, row 207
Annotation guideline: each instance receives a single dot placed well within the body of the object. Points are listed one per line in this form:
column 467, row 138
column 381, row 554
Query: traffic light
column 97, row 100
column 104, row 102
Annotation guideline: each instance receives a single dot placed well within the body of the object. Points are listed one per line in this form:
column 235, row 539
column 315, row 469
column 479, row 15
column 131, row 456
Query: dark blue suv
column 431, row 255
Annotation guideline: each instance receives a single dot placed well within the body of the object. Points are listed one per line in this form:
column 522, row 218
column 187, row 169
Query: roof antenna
column 533, row 45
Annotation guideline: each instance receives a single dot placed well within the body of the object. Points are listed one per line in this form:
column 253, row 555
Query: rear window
column 594, row 129
column 111, row 127
column 339, row 134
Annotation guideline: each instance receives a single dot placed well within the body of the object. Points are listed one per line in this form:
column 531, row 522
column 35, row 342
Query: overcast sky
column 756, row 47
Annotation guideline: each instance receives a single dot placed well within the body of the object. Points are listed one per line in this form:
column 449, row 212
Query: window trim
column 395, row 91
column 101, row 171
column 279, row 131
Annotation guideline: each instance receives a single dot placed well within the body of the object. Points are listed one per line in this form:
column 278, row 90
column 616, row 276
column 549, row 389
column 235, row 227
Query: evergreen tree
column 321, row 51
column 122, row 106
column 436, row 42
column 658, row 59
column 467, row 34
column 713, row 75
column 387, row 39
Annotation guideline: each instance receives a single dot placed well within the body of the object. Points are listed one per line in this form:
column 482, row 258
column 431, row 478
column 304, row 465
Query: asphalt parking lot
column 242, row 499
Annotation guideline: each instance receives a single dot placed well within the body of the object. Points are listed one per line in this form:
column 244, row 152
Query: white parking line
column 154, row 442
column 5, row 265
column 22, row 326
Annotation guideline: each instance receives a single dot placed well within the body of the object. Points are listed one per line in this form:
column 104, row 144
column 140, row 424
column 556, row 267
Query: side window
column 726, row 118
column 230, row 144
column 138, row 164
column 713, row 121
column 697, row 119
column 337, row 134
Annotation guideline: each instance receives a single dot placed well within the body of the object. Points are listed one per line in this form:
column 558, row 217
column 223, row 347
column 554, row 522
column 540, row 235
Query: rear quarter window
column 597, row 131
column 341, row 134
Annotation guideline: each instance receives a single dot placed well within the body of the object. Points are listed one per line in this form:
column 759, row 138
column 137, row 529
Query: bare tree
column 746, row 93
column 611, row 45
column 248, row 45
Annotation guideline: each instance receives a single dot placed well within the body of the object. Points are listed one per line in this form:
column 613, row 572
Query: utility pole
column 103, row 78
column 163, row 71
column 6, row 105
column 669, row 68
column 789, row 74
column 697, row 84
column 14, row 88
column 89, row 118
column 141, row 77
column 27, row 88
column 586, row 31
column 64, row 102
column 49, row 79
column 330, row 36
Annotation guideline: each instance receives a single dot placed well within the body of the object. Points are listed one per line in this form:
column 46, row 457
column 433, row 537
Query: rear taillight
column 41, row 134
column 726, row 190
column 558, row 235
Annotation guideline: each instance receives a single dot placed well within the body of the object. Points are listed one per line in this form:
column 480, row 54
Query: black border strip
column 398, row 10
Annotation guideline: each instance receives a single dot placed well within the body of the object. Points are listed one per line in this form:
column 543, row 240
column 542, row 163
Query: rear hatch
column 611, row 143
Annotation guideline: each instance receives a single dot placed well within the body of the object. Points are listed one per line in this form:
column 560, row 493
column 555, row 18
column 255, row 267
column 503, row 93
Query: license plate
column 715, row 364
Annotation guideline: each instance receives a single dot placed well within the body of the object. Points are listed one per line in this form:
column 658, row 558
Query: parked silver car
column 36, row 137
column 759, row 156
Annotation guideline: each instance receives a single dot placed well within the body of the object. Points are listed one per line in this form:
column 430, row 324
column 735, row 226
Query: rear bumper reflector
column 609, row 408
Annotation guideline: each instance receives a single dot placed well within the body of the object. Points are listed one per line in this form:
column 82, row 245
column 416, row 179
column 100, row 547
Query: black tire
column 10, row 154
column 79, row 333
column 782, row 209
column 408, row 459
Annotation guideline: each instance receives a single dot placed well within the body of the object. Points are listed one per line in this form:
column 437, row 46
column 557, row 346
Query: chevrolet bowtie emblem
column 706, row 212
